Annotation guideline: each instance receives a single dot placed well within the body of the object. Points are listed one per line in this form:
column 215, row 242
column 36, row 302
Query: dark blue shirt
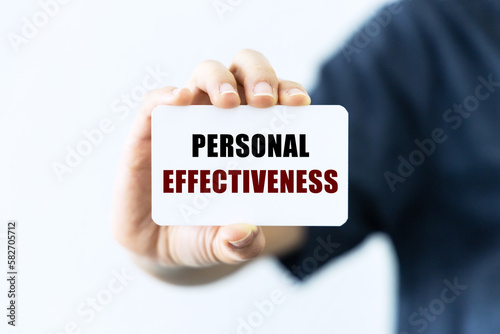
column 421, row 82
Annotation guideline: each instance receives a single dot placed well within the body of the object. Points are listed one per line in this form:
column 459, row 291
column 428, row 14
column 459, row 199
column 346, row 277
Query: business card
column 276, row 166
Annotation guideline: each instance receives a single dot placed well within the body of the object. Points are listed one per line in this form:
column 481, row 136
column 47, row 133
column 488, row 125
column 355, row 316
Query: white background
column 66, row 78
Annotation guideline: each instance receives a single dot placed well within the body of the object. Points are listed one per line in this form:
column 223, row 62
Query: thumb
column 238, row 242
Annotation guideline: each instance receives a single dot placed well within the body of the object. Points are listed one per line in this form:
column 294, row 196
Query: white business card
column 275, row 166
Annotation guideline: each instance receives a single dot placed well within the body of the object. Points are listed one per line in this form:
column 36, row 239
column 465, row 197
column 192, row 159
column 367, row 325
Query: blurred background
column 67, row 66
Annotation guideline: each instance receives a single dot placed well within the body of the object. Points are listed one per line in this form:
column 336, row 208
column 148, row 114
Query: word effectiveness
column 250, row 181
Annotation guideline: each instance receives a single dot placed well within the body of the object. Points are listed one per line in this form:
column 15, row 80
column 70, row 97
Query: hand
column 250, row 80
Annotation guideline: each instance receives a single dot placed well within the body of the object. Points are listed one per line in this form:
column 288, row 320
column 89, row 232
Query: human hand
column 249, row 80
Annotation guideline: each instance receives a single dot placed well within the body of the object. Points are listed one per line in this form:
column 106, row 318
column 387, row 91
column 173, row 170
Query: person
column 423, row 95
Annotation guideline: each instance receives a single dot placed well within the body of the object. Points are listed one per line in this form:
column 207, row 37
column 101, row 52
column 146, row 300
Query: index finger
column 253, row 71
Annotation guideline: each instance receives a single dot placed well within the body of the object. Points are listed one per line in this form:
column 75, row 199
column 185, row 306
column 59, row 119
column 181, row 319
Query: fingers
column 292, row 94
column 201, row 246
column 250, row 80
column 213, row 80
column 252, row 70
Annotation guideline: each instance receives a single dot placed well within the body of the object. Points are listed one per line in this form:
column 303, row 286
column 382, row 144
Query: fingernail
column 263, row 89
column 176, row 91
column 296, row 91
column 226, row 88
column 246, row 240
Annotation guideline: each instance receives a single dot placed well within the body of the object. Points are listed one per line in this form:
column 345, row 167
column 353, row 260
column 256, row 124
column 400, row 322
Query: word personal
column 226, row 145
